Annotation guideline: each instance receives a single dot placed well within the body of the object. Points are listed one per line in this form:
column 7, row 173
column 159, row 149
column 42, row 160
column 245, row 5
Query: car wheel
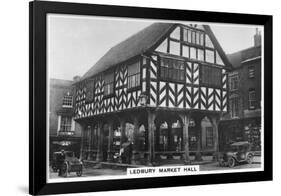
column 231, row 162
column 64, row 170
column 250, row 158
column 79, row 173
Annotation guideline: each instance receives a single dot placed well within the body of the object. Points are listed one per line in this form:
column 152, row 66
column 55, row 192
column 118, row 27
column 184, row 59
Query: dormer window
column 67, row 101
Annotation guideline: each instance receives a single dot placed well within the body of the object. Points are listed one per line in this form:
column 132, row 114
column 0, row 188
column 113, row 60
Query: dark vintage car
column 236, row 153
column 65, row 162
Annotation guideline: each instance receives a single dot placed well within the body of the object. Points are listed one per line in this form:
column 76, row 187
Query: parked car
column 66, row 162
column 238, row 152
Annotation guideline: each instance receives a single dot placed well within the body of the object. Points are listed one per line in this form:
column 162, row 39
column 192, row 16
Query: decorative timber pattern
column 186, row 49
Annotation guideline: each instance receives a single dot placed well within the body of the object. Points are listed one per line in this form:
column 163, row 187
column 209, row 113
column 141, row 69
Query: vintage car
column 238, row 152
column 65, row 162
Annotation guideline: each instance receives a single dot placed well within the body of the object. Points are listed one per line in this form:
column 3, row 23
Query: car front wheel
column 250, row 159
column 231, row 162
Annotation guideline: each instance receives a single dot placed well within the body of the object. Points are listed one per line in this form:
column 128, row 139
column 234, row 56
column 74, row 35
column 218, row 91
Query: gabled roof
column 241, row 56
column 140, row 43
column 131, row 47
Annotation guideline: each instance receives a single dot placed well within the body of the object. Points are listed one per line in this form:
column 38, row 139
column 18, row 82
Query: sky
column 76, row 43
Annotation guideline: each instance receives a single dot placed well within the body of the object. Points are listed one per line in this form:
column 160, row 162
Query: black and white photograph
column 131, row 98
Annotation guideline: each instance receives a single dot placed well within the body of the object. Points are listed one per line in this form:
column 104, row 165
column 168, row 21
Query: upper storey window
column 108, row 83
column 193, row 36
column 67, row 101
column 134, row 75
column 171, row 69
column 211, row 76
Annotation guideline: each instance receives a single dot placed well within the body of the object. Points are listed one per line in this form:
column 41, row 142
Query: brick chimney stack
column 257, row 38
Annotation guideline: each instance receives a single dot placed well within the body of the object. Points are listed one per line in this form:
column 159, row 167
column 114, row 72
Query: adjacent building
column 64, row 132
column 243, row 122
column 164, row 90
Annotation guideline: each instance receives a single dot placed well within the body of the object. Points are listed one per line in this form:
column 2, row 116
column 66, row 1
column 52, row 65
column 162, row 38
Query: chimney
column 257, row 38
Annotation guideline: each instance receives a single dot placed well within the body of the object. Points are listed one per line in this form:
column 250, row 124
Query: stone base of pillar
column 99, row 157
column 109, row 156
column 198, row 156
column 215, row 156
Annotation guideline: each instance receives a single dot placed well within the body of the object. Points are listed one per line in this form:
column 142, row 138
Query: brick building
column 243, row 122
column 64, row 132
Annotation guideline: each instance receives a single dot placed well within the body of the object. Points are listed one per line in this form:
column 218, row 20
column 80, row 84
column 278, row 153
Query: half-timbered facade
column 163, row 89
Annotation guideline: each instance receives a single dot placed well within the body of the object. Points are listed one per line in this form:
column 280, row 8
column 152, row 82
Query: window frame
column 252, row 101
column 111, row 83
column 172, row 74
column 251, row 68
column 231, row 79
column 64, row 100
column 202, row 82
column 63, row 124
column 136, row 75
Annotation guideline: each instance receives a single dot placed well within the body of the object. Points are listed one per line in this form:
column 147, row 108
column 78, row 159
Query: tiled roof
column 237, row 58
column 131, row 47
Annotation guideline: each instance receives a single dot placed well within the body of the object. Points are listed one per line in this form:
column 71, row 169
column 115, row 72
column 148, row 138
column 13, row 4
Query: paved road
column 111, row 172
column 92, row 172
column 215, row 166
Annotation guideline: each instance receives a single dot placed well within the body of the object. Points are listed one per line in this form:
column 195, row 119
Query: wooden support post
column 110, row 141
column 151, row 131
column 122, row 129
column 89, row 133
column 198, row 155
column 136, row 129
column 82, row 142
column 185, row 121
column 216, row 136
column 100, row 141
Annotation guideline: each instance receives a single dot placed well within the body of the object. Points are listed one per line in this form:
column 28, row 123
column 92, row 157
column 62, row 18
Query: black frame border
column 38, row 11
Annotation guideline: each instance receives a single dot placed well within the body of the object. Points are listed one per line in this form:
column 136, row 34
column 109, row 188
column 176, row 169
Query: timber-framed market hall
column 164, row 90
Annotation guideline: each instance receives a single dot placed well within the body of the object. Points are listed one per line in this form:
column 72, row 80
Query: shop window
column 251, row 71
column 67, row 101
column 134, row 75
column 252, row 99
column 211, row 76
column 108, row 83
column 172, row 69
